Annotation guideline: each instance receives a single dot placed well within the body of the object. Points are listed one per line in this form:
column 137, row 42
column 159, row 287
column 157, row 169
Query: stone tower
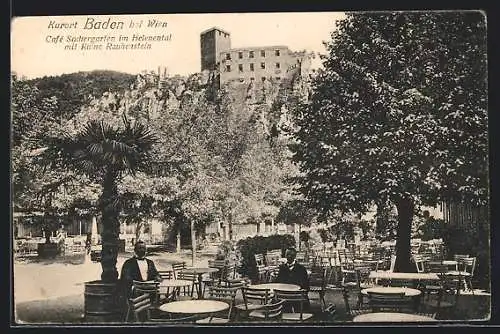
column 212, row 42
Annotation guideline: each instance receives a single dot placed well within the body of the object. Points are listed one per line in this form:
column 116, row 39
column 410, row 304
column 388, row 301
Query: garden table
column 391, row 317
column 279, row 286
column 403, row 276
column 194, row 306
column 409, row 292
column 176, row 284
column 199, row 271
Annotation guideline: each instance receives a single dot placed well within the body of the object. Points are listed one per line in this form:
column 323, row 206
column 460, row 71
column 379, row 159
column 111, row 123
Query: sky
column 37, row 50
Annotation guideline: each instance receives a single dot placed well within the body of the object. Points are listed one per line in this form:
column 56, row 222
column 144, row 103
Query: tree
column 106, row 153
column 398, row 113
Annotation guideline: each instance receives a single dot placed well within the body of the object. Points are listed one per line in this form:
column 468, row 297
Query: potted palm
column 105, row 153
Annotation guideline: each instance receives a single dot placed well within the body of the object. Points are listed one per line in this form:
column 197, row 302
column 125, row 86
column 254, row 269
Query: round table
column 391, row 317
column 279, row 286
column 409, row 292
column 194, row 306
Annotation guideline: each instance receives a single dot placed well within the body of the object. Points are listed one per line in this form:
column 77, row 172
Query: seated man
column 293, row 272
column 138, row 268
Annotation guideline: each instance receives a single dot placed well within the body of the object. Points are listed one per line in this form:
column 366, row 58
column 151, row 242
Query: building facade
column 247, row 64
column 212, row 42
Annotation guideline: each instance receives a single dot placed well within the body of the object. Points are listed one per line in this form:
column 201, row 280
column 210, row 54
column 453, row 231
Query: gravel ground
column 52, row 290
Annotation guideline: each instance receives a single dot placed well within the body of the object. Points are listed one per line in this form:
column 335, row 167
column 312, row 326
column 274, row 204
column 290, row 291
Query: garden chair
column 395, row 302
column 141, row 308
column 419, row 263
column 170, row 293
column 224, row 294
column 444, row 287
column 166, row 274
column 213, row 279
column 186, row 293
column 353, row 311
column 272, row 312
column 469, row 266
column 150, row 288
column 253, row 299
column 317, row 284
column 263, row 274
column 177, row 267
column 296, row 300
column 459, row 258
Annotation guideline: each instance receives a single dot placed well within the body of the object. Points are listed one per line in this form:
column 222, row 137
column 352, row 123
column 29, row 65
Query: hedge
column 260, row 245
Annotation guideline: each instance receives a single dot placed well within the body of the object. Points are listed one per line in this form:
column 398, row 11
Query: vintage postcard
column 250, row 168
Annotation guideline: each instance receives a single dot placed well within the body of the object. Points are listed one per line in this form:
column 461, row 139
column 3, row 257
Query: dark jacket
column 130, row 272
column 297, row 275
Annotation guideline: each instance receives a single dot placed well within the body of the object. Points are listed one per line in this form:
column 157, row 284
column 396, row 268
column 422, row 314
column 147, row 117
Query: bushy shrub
column 260, row 245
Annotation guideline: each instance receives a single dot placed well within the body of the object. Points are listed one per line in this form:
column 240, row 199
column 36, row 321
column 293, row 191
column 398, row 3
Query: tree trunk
column 230, row 226
column 178, row 248
column 405, row 208
column 110, row 228
column 138, row 233
column 48, row 234
column 300, row 241
column 193, row 242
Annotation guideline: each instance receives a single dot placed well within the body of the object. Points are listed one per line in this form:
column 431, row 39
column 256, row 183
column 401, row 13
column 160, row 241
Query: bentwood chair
column 253, row 299
column 270, row 312
column 141, row 307
column 396, row 302
column 317, row 284
column 469, row 266
column 224, row 294
column 297, row 300
column 187, row 293
column 177, row 267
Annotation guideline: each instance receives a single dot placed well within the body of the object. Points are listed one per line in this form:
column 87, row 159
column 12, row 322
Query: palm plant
column 105, row 153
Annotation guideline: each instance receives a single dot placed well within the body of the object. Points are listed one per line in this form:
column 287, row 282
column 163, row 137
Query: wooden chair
column 353, row 311
column 141, row 308
column 170, row 293
column 317, row 284
column 396, row 302
column 166, row 274
column 177, row 267
column 419, row 263
column 272, row 311
column 444, row 287
column 295, row 298
column 253, row 299
column 259, row 260
column 459, row 258
column 213, row 279
column 348, row 274
column 468, row 265
column 150, row 288
column 224, row 294
column 187, row 292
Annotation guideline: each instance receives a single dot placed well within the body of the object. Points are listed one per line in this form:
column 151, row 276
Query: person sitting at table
column 138, row 268
column 292, row 272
